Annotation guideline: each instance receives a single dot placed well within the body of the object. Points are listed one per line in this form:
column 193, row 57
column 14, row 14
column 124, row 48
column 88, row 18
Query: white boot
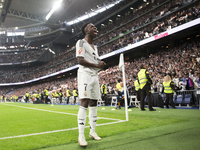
column 94, row 136
column 82, row 141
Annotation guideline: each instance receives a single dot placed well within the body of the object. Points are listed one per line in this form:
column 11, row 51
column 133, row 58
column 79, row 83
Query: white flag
column 121, row 67
column 121, row 61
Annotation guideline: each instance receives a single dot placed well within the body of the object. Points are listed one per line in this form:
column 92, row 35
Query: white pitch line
column 47, row 132
column 32, row 134
column 58, row 112
column 42, row 110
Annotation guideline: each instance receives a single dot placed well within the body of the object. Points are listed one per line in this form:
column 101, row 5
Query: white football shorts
column 88, row 86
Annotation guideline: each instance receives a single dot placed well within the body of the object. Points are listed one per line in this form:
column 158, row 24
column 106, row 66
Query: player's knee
column 93, row 102
column 85, row 103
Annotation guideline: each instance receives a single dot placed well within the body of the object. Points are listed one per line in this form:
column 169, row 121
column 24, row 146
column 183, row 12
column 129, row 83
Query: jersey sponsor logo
column 80, row 51
column 85, row 94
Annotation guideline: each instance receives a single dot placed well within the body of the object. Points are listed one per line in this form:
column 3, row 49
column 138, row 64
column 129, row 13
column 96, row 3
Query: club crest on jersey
column 80, row 51
column 85, row 94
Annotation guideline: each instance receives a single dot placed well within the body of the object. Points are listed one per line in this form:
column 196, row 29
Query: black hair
column 83, row 28
column 119, row 80
column 142, row 66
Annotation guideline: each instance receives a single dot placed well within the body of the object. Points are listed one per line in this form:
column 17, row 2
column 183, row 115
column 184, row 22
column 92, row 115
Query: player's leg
column 84, row 94
column 95, row 95
column 82, row 120
column 93, row 119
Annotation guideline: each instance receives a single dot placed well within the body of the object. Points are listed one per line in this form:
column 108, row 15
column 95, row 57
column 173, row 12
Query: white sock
column 92, row 118
column 81, row 120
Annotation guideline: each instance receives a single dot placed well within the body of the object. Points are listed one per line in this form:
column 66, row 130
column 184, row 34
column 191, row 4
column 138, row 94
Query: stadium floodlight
column 131, row 8
column 92, row 13
column 55, row 6
column 11, row 33
column 110, row 20
column 145, row 1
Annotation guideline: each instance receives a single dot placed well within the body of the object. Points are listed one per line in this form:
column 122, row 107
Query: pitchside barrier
column 180, row 98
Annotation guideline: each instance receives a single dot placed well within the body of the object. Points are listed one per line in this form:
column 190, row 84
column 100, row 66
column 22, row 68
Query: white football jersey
column 83, row 49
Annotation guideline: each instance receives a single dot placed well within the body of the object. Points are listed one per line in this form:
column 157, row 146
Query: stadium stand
column 20, row 56
column 67, row 59
column 128, row 28
column 158, row 66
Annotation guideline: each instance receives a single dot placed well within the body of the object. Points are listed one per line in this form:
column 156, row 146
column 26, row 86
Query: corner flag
column 121, row 68
column 121, row 61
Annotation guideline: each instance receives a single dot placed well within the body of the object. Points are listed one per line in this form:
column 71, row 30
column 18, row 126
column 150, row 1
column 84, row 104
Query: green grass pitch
column 45, row 127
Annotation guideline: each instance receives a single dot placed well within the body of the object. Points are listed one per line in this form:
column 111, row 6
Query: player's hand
column 101, row 64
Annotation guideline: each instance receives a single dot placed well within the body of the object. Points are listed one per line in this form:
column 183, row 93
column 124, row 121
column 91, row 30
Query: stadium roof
column 27, row 13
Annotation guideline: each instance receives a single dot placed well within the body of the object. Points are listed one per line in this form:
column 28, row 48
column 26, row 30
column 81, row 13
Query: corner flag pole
column 121, row 67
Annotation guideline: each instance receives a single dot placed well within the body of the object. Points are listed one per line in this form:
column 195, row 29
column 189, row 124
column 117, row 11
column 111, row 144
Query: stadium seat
column 134, row 100
column 174, row 98
column 163, row 97
column 100, row 102
column 187, row 99
column 53, row 100
column 114, row 101
column 78, row 102
column 179, row 99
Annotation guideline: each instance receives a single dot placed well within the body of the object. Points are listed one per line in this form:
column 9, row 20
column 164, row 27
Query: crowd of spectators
column 119, row 26
column 67, row 59
column 178, row 60
column 16, row 57
column 141, row 28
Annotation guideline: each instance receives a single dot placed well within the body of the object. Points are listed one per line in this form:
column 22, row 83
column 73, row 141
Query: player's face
column 91, row 30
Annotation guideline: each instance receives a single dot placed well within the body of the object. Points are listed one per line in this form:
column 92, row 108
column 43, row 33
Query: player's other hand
column 101, row 64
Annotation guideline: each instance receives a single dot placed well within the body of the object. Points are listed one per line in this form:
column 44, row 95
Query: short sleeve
column 80, row 50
